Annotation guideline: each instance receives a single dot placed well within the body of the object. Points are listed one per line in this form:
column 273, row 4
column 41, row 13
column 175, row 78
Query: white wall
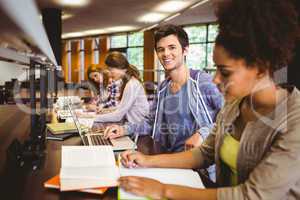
column 12, row 70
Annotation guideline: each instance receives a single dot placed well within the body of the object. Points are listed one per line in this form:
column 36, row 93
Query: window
column 135, row 50
column 201, row 39
column 96, row 51
column 132, row 44
column 118, row 41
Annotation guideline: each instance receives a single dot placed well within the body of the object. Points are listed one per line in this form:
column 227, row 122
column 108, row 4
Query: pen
column 133, row 164
column 135, row 142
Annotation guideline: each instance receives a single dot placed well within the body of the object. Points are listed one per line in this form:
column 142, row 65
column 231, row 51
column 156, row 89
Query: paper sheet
column 184, row 177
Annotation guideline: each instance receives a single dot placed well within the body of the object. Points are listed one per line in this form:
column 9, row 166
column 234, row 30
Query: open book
column 95, row 166
column 88, row 167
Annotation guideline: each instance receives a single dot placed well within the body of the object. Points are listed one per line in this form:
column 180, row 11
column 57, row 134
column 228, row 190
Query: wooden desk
column 20, row 183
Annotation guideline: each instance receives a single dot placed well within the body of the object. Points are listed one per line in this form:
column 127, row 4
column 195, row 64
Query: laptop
column 90, row 138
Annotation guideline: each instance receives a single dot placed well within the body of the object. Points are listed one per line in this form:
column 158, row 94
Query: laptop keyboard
column 99, row 140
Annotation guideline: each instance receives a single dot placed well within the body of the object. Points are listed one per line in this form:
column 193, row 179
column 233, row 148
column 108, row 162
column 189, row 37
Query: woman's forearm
column 184, row 160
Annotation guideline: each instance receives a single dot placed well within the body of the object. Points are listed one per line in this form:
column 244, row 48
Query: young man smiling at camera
column 187, row 101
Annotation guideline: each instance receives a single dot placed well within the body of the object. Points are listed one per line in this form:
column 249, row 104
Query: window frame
column 204, row 43
column 125, row 49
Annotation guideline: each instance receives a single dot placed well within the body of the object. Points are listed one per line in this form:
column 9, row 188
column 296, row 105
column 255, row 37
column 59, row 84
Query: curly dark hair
column 262, row 32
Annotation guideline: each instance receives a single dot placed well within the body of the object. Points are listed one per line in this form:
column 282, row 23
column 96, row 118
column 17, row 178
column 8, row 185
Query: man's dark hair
column 260, row 32
column 170, row 29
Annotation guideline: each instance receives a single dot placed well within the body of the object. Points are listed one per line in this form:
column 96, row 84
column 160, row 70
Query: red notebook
column 54, row 182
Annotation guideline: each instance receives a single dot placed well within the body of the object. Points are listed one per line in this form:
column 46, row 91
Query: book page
column 88, row 177
column 84, row 173
column 77, row 184
column 88, row 167
column 87, row 156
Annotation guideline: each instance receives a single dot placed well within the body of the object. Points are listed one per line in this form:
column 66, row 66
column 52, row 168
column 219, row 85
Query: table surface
column 26, row 183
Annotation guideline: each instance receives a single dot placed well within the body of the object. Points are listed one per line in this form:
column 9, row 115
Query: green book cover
column 60, row 128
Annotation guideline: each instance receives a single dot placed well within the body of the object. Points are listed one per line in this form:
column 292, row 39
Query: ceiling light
column 98, row 31
column 75, row 3
column 93, row 32
column 73, row 34
column 199, row 3
column 171, row 6
column 120, row 28
column 171, row 17
column 152, row 17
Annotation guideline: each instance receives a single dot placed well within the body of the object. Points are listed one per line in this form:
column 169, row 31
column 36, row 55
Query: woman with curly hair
column 255, row 143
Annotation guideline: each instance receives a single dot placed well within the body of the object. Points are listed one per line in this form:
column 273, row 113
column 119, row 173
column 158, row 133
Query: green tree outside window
column 118, row 41
column 136, row 39
column 201, row 39
column 132, row 44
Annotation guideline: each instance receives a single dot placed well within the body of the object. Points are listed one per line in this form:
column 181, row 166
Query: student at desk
column 133, row 106
column 255, row 143
column 187, row 101
column 109, row 90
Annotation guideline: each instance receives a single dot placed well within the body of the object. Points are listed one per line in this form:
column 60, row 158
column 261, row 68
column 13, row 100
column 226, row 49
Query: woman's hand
column 91, row 107
column 99, row 109
column 143, row 186
column 194, row 141
column 133, row 159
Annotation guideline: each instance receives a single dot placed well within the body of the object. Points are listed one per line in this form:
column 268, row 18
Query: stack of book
column 61, row 131
column 54, row 183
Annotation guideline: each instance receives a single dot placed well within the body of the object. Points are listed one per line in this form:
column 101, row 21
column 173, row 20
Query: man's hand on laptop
column 133, row 159
column 114, row 131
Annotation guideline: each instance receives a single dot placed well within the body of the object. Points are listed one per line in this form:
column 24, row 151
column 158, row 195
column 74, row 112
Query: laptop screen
column 81, row 131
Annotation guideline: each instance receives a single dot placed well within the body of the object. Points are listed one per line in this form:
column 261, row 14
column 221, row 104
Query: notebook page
column 182, row 177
